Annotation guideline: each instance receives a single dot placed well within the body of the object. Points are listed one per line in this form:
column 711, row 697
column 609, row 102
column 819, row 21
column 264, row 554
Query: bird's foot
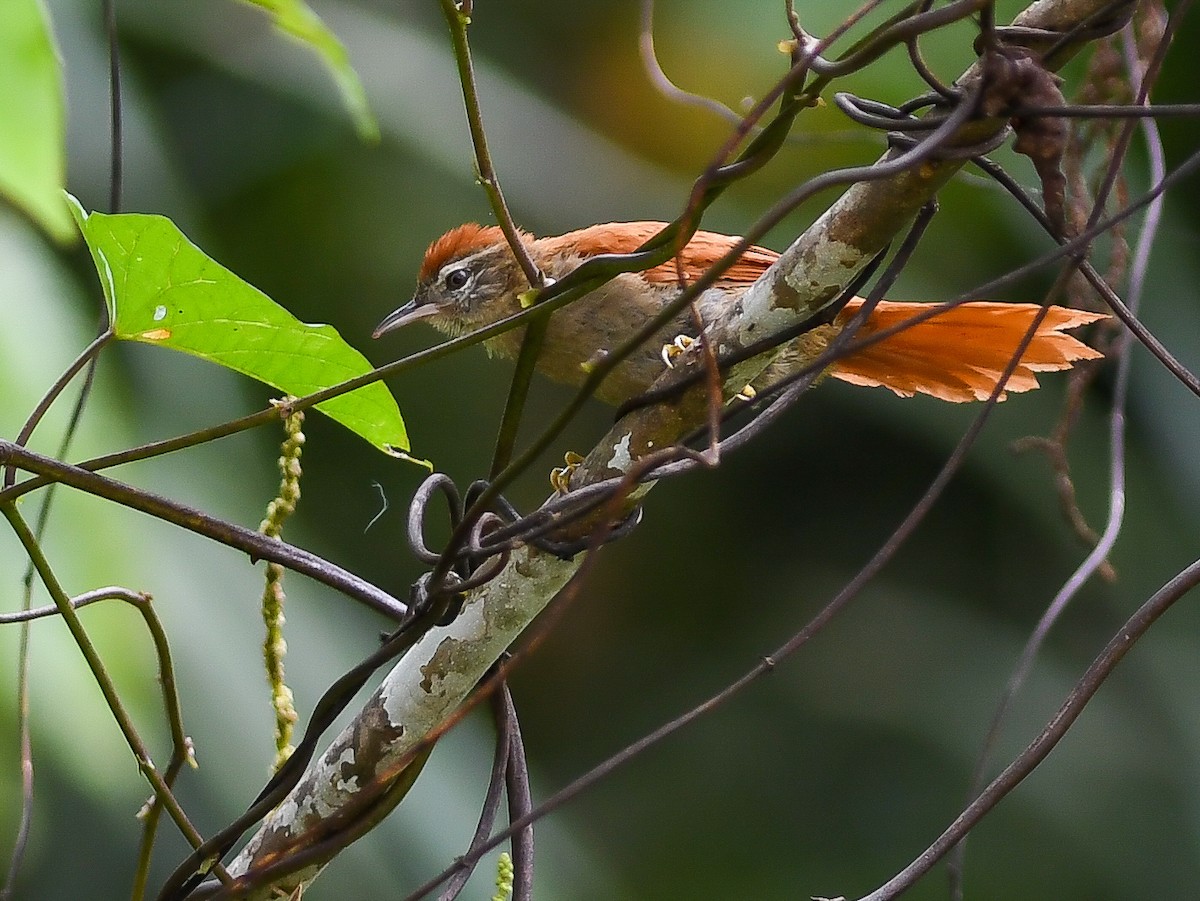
column 677, row 348
column 560, row 476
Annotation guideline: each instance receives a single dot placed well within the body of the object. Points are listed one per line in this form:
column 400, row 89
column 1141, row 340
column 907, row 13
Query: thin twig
column 1097, row 558
column 520, row 801
column 52, row 393
column 1037, row 750
column 457, row 20
column 116, row 143
column 145, row 764
column 660, row 80
column 258, row 546
column 491, row 799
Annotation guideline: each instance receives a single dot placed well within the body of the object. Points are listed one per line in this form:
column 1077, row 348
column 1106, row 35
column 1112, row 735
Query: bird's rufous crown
column 702, row 251
column 457, row 243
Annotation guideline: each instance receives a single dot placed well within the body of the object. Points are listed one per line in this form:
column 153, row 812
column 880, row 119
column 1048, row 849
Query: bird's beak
column 410, row 312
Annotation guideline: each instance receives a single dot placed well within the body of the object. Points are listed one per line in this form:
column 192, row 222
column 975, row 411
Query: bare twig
column 31, row 423
column 1096, row 560
column 1037, row 750
column 162, row 790
column 258, row 546
column 457, row 19
column 116, row 143
column 662, row 83
column 491, row 800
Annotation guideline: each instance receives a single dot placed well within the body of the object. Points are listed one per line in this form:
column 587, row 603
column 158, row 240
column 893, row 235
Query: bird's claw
column 679, row 346
column 560, row 476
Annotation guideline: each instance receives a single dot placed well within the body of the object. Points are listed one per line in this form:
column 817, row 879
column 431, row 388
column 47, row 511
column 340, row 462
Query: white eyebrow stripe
column 465, row 261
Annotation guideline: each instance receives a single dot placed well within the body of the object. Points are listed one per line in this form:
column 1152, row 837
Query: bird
column 469, row 279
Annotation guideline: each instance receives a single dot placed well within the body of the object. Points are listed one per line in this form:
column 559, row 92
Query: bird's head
column 468, row 279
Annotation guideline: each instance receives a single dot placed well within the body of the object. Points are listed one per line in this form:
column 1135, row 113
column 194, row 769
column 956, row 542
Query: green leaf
column 32, row 117
column 296, row 18
column 162, row 289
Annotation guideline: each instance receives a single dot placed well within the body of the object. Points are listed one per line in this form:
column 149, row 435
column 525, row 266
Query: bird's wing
column 702, row 251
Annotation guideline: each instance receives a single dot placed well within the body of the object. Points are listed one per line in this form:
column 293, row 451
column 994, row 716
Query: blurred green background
column 823, row 779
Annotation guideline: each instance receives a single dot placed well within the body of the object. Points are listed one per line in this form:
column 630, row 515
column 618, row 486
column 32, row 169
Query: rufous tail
column 960, row 355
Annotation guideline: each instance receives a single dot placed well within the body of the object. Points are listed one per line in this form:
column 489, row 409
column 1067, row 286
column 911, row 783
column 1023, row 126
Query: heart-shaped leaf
column 164, row 290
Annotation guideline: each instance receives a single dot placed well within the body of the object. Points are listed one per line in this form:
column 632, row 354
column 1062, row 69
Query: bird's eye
column 456, row 279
